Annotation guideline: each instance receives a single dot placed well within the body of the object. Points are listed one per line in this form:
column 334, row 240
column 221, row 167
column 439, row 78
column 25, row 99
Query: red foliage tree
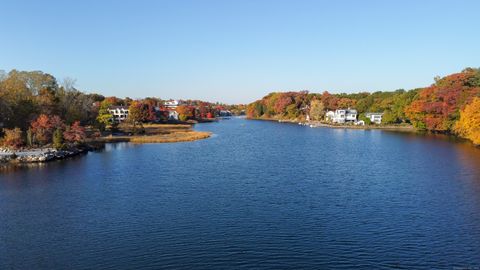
column 282, row 102
column 437, row 107
column 44, row 126
column 75, row 133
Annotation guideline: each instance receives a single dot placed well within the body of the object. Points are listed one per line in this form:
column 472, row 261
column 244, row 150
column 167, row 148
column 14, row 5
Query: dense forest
column 37, row 110
column 450, row 105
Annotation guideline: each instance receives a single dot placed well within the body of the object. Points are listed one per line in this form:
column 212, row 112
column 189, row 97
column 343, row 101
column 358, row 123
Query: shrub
column 58, row 139
column 13, row 138
column 75, row 133
column 182, row 117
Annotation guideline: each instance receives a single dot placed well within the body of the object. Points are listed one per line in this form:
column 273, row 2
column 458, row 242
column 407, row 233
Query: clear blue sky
column 239, row 50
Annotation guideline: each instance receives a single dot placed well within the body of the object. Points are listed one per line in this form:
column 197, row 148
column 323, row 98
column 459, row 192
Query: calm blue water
column 257, row 195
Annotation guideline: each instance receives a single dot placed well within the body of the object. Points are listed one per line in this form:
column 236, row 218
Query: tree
column 282, row 103
column 469, row 124
column 30, row 139
column 75, row 133
column 437, row 107
column 42, row 129
column 365, row 119
column 18, row 101
column 13, row 138
column 104, row 117
column 44, row 126
column 389, row 117
column 74, row 105
column 184, row 112
column 58, row 138
column 140, row 112
column 292, row 111
column 317, row 110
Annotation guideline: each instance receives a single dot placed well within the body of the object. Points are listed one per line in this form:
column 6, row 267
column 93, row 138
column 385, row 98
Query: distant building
column 172, row 115
column 342, row 116
column 224, row 113
column 330, row 115
column 119, row 113
column 171, row 108
column 172, row 103
column 375, row 117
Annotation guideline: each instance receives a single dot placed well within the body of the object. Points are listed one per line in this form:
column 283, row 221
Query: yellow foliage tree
column 469, row 124
column 317, row 110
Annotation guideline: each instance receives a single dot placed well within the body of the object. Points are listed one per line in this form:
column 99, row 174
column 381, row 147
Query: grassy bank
column 161, row 133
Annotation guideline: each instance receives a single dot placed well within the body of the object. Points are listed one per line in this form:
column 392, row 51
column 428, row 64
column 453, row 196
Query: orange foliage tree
column 44, row 126
column 13, row 138
column 437, row 107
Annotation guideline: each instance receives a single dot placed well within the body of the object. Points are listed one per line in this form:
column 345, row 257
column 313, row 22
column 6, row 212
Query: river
column 257, row 194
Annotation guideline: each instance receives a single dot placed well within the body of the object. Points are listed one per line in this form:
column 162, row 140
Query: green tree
column 292, row 111
column 58, row 138
column 390, row 117
column 365, row 119
column 104, row 117
column 30, row 137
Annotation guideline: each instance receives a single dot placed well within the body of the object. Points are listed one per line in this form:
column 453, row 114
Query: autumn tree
column 13, row 138
column 281, row 103
column 43, row 128
column 317, row 110
column 469, row 124
column 139, row 112
column 437, row 107
column 75, row 133
column 184, row 112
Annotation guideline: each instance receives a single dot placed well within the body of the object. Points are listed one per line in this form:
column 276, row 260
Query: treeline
column 37, row 110
column 450, row 105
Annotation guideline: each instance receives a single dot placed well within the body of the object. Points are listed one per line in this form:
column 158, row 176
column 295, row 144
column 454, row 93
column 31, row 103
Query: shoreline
column 318, row 124
column 154, row 133
column 42, row 155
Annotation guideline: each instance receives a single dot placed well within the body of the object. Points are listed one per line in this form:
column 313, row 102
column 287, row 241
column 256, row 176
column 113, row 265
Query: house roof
column 373, row 113
column 348, row 110
column 118, row 107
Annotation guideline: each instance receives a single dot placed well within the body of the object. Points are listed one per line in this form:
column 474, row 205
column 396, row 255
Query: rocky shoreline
column 39, row 155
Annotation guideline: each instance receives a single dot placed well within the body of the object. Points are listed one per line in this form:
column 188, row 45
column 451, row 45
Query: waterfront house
column 330, row 115
column 171, row 107
column 375, row 117
column 173, row 104
column 224, row 113
column 119, row 113
column 342, row 116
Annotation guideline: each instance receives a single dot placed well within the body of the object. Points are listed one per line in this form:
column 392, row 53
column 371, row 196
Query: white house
column 375, row 117
column 171, row 106
column 172, row 115
column 330, row 115
column 120, row 113
column 342, row 116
